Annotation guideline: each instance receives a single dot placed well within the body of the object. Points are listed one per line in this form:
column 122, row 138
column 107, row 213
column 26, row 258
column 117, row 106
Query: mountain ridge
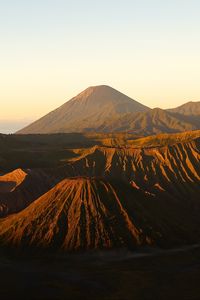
column 141, row 193
column 188, row 108
column 91, row 214
column 88, row 110
column 104, row 109
column 153, row 121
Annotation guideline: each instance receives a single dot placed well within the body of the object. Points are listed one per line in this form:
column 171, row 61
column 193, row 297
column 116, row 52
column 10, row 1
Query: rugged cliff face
column 85, row 213
column 145, row 193
column 174, row 169
column 77, row 213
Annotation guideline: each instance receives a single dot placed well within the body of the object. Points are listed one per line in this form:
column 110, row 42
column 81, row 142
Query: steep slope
column 86, row 112
column 75, row 214
column 25, row 187
column 173, row 169
column 165, row 139
column 85, row 213
column 10, row 181
column 188, row 109
column 104, row 109
column 151, row 122
column 167, row 163
column 146, row 193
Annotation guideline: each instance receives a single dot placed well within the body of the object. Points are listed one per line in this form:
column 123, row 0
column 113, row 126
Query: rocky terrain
column 118, row 193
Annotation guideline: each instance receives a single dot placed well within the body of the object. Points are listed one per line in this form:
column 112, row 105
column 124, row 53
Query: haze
column 52, row 50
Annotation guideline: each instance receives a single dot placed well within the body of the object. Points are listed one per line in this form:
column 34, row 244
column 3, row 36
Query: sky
column 50, row 50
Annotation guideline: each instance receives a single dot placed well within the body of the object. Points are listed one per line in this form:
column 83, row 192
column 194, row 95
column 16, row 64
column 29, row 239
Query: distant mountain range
column 104, row 109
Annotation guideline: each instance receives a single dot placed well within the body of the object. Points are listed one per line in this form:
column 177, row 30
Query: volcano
column 88, row 111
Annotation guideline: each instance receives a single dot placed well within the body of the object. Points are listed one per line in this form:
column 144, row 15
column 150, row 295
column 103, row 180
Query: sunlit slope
column 24, row 187
column 85, row 213
column 163, row 163
column 163, row 139
column 174, row 169
column 10, row 181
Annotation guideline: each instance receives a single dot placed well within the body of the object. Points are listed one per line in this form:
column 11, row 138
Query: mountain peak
column 94, row 89
column 100, row 87
column 102, row 92
column 88, row 111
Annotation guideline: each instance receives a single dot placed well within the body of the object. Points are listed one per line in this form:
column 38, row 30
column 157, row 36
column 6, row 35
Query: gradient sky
column 50, row 50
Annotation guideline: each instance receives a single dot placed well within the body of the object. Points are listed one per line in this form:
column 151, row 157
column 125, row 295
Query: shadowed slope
column 164, row 163
column 174, row 169
column 93, row 213
column 113, row 197
column 36, row 183
column 10, row 181
column 77, row 213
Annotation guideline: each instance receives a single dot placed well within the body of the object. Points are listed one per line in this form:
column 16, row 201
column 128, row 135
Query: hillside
column 10, row 181
column 151, row 122
column 143, row 193
column 172, row 170
column 19, row 188
column 188, row 109
column 105, row 110
column 83, row 213
column 86, row 112
column 77, row 213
